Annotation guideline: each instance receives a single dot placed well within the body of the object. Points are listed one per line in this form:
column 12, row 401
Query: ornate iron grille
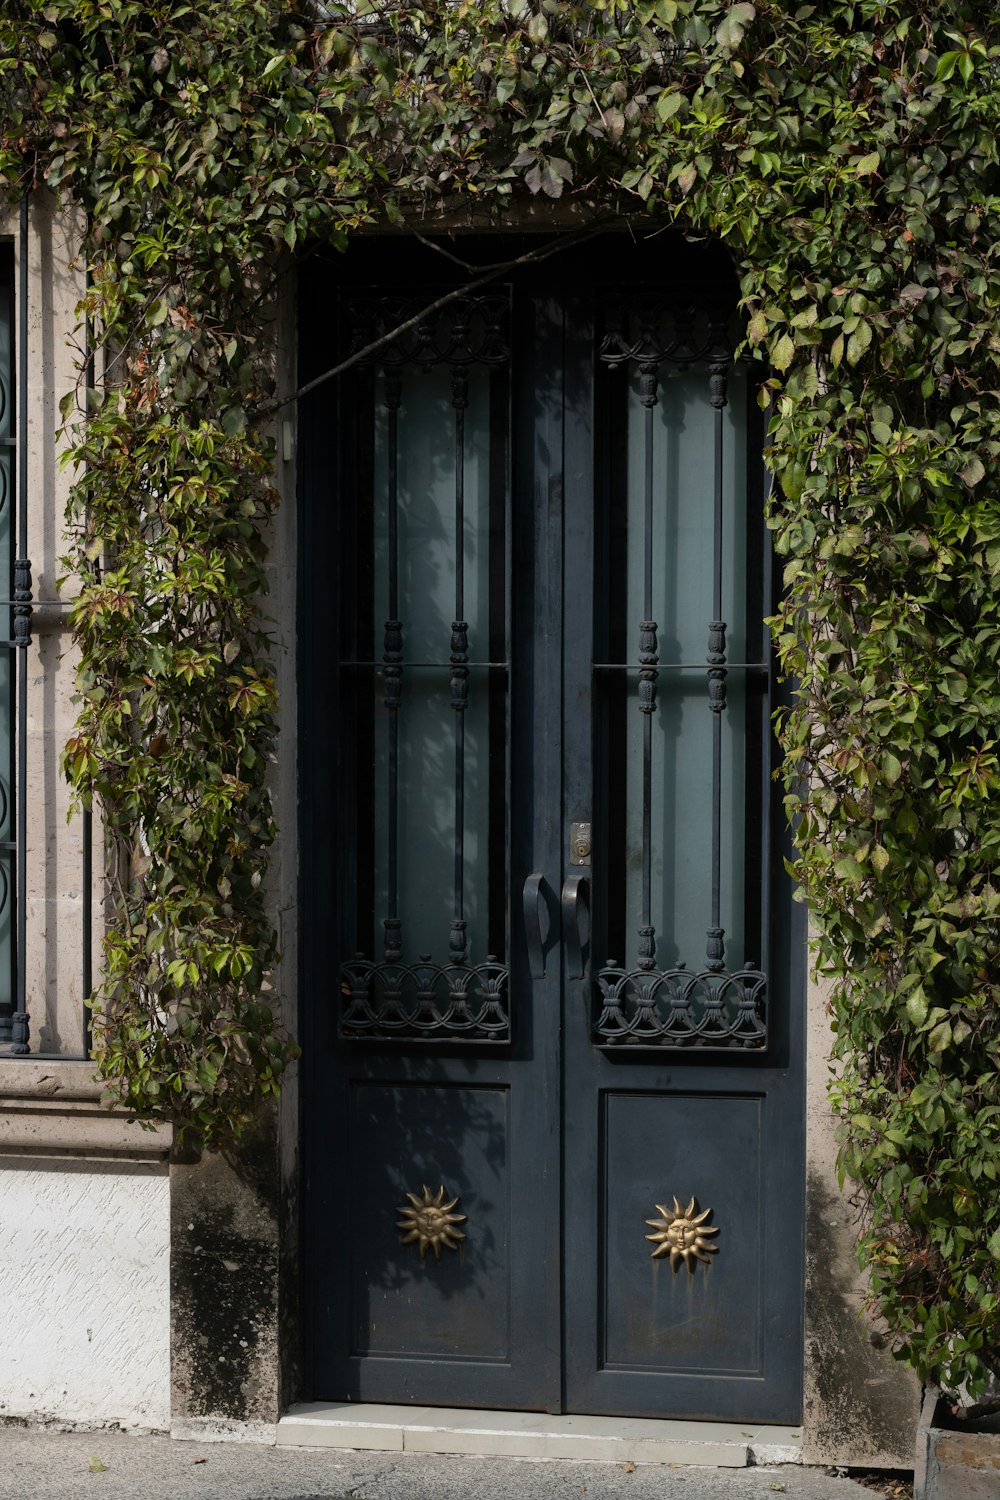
column 425, row 1001
column 710, row 1006
column 650, row 329
column 465, row 331
column 401, row 343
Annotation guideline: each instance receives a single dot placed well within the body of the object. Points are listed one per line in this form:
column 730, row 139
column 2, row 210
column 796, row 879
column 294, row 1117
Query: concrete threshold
column 531, row 1434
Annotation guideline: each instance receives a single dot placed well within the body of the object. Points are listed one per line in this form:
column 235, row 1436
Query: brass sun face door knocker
column 683, row 1235
column 429, row 1223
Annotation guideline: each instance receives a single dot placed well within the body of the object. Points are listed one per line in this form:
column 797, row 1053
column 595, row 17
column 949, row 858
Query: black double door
column 551, row 979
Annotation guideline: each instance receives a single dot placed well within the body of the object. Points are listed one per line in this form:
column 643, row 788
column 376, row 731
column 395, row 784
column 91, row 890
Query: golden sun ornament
column 683, row 1235
column 428, row 1221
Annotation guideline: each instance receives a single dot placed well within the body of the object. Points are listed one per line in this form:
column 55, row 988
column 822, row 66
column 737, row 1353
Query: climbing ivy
column 846, row 154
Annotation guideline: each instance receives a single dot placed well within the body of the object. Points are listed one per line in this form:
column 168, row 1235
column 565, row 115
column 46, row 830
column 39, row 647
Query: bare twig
column 490, row 273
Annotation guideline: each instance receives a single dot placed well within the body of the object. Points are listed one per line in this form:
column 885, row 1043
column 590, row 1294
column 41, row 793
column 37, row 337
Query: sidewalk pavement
column 37, row 1465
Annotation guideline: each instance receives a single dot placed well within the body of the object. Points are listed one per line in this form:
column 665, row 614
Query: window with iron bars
column 46, row 865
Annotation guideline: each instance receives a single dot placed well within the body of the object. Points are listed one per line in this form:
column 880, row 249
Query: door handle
column 576, row 924
column 534, row 901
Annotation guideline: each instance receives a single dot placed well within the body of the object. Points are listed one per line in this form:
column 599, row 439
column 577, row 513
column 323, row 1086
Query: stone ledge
column 47, row 1078
column 53, row 1108
column 513, row 1434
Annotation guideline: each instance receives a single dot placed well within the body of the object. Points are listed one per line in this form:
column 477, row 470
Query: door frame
column 554, row 783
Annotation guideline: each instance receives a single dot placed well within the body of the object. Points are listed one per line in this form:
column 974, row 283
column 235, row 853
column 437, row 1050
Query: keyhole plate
column 579, row 843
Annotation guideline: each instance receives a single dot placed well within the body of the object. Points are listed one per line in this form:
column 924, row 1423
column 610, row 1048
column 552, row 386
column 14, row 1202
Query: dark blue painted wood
column 640, row 1338
column 558, row 1151
column 481, row 1325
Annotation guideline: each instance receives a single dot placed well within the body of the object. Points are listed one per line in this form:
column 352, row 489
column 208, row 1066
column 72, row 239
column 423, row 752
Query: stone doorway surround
column 71, row 1171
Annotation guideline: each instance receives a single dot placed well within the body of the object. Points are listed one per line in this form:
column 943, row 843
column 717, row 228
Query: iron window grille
column 17, row 615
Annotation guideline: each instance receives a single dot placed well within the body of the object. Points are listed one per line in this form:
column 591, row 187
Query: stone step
column 530, row 1434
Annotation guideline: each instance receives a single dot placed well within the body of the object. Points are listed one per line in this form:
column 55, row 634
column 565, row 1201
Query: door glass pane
column 427, row 552
column 424, row 677
column 683, row 558
column 680, row 684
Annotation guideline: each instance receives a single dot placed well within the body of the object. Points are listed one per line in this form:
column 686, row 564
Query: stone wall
column 84, row 1255
column 861, row 1405
column 84, row 1196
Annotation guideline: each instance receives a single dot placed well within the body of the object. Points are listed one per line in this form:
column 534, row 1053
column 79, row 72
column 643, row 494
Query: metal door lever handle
column 576, row 924
column 534, row 900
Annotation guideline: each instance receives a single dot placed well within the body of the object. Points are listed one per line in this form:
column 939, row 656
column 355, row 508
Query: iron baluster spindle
column 647, row 671
column 392, row 680
column 22, row 635
column 457, row 946
column 715, row 948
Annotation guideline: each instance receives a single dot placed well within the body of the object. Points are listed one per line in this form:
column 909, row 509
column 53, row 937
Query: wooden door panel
column 431, row 772
column 685, row 1314
column 451, row 1303
column 681, row 1054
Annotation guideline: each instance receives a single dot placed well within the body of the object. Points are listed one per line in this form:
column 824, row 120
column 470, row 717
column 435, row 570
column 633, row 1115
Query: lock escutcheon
column 579, row 843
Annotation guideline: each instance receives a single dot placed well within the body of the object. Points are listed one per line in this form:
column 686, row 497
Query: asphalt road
column 112, row 1466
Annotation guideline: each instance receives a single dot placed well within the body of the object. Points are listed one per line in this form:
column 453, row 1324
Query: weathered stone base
column 225, row 1294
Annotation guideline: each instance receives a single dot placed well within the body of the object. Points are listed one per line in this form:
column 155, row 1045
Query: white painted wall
column 84, row 1292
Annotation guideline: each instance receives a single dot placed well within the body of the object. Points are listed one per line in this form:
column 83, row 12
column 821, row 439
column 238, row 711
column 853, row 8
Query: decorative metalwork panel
column 431, row 586
column 675, row 503
column 678, row 1007
column 683, row 1234
column 652, row 329
column 465, row 331
column 428, row 1222
column 425, row 1001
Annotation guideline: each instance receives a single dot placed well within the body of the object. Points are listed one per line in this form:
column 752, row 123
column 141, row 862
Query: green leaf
column 940, row 1037
column 865, row 165
column 859, row 342
column 668, row 102
column 891, row 768
column 793, row 480
column 757, row 328
column 233, row 421
column 973, row 471
column 783, row 352
column 687, row 177
column 916, row 1006
column 731, row 29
